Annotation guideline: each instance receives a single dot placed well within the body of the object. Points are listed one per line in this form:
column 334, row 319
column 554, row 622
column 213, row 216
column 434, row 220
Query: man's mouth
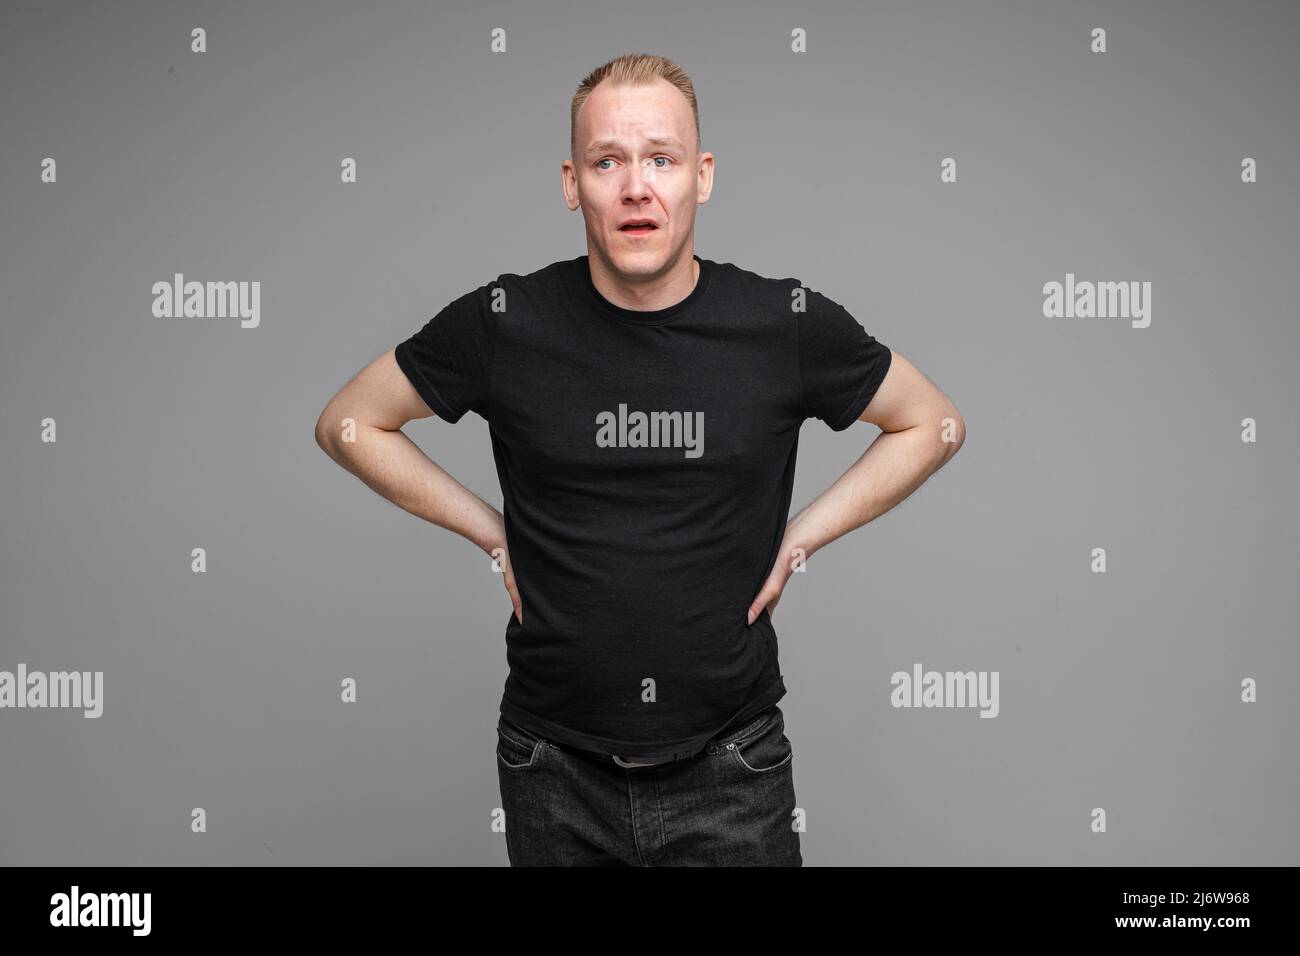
column 638, row 227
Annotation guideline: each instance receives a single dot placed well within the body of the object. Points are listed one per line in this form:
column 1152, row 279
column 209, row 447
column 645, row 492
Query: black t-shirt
column 646, row 461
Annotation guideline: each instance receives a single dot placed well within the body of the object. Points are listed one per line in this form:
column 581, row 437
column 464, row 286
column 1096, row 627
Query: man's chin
column 657, row 251
column 634, row 262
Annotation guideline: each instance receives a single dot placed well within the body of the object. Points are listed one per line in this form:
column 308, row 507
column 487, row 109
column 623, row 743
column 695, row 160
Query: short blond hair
column 634, row 69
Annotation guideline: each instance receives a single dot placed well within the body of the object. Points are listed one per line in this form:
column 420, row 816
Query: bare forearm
column 394, row 467
column 894, row 466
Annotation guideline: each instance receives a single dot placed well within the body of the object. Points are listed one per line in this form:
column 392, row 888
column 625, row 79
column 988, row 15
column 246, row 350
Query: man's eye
column 608, row 160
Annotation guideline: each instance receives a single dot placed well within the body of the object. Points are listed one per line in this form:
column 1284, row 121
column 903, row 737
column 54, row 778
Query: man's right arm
column 380, row 400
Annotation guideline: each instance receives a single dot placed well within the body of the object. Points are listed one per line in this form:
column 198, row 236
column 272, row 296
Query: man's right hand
column 501, row 559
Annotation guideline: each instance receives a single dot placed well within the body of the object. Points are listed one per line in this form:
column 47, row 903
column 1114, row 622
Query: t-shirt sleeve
column 840, row 363
column 449, row 361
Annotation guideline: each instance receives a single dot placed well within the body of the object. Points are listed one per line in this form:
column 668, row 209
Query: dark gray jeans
column 732, row 804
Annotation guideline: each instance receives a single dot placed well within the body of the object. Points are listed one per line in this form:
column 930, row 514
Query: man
column 644, row 407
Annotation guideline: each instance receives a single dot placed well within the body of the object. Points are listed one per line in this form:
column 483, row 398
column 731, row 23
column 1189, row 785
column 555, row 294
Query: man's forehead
column 643, row 113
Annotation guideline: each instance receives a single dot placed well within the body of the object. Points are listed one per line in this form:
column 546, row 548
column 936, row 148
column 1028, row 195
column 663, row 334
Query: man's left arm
column 920, row 429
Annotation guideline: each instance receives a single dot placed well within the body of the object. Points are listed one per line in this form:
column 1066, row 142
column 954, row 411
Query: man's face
column 637, row 159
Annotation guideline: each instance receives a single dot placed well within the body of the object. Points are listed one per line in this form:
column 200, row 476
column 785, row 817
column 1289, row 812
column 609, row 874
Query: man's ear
column 569, row 185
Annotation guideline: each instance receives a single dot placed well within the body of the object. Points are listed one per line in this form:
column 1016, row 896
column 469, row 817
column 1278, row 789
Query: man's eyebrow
column 601, row 145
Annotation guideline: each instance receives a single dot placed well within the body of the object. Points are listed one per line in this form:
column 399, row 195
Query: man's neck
column 648, row 295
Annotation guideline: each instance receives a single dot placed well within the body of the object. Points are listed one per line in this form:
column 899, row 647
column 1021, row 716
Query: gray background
column 222, row 689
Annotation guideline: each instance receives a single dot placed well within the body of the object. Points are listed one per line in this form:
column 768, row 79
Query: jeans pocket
column 762, row 749
column 517, row 749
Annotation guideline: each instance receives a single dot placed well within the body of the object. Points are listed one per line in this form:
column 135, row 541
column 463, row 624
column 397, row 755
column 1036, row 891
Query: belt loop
column 618, row 760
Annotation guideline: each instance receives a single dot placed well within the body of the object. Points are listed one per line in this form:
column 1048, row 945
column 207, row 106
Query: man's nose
column 637, row 179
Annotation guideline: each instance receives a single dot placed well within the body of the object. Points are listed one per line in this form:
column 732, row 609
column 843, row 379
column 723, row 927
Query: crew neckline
column 639, row 316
